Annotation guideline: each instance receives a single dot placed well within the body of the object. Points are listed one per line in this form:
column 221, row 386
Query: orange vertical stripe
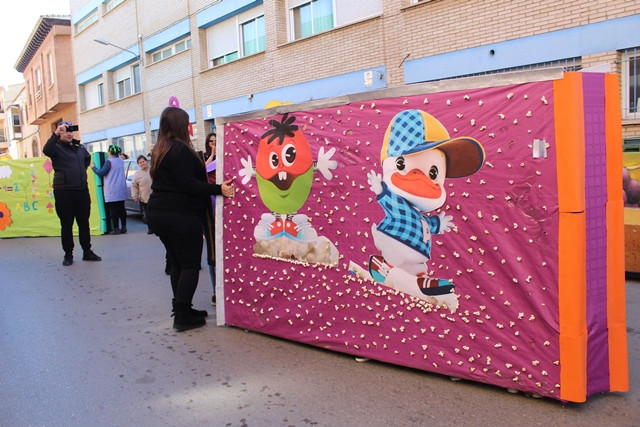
column 572, row 299
column 616, row 306
column 570, row 142
column 572, row 302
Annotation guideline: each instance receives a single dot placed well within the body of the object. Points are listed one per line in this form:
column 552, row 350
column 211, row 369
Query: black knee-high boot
column 184, row 318
column 175, row 278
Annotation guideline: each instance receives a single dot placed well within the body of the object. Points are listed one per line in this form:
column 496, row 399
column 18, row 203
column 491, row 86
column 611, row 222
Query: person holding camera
column 70, row 160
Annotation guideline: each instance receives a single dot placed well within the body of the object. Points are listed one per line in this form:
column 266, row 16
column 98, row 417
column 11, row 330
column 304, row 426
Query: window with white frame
column 111, row 4
column 237, row 37
column 135, row 74
column 38, row 82
column 93, row 96
column 16, row 122
column 51, row 70
column 87, row 21
column 100, row 93
column 169, row 51
column 630, row 69
column 127, row 80
column 15, row 118
column 310, row 17
column 253, row 34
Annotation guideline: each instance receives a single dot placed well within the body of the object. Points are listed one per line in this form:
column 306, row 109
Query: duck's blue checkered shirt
column 403, row 222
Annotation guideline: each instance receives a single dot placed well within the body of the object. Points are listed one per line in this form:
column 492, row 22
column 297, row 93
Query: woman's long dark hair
column 207, row 148
column 174, row 128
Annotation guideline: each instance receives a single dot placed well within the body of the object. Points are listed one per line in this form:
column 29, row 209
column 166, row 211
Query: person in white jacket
column 141, row 187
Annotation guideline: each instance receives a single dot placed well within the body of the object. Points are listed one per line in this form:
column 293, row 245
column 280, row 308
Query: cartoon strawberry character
column 284, row 173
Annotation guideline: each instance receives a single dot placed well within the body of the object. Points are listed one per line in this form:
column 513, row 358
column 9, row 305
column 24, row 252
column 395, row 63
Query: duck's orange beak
column 417, row 183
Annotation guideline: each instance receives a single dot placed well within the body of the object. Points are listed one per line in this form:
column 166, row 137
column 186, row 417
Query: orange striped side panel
column 572, row 299
column 570, row 142
column 616, row 306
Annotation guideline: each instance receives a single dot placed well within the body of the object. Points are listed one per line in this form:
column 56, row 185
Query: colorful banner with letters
column 27, row 205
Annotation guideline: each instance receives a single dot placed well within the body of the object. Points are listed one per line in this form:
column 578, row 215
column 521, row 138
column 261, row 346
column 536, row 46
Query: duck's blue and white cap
column 415, row 131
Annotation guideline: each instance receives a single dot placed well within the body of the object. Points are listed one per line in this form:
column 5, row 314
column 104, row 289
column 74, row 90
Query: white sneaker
column 304, row 231
column 267, row 228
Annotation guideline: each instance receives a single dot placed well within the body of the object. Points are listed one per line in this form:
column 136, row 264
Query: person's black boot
column 198, row 313
column 183, row 320
column 68, row 259
column 90, row 256
column 193, row 311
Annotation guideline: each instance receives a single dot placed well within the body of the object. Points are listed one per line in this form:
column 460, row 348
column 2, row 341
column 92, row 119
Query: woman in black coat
column 177, row 208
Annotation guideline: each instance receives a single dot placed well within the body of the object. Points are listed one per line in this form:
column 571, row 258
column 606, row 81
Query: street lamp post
column 139, row 57
column 106, row 43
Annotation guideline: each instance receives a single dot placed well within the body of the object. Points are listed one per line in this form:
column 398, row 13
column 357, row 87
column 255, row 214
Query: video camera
column 70, row 127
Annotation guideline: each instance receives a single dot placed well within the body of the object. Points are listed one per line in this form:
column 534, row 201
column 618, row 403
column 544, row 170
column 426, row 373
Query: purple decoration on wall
column 596, row 233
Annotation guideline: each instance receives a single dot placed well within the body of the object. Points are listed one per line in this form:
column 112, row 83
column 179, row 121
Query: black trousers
column 181, row 235
column 73, row 205
column 117, row 212
column 143, row 211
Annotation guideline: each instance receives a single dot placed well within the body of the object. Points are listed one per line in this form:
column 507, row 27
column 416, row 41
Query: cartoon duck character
column 284, row 173
column 417, row 155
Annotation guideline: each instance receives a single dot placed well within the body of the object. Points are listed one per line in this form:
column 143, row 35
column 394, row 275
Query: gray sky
column 18, row 21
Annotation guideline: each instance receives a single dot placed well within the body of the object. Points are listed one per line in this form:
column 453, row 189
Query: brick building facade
column 46, row 63
column 220, row 58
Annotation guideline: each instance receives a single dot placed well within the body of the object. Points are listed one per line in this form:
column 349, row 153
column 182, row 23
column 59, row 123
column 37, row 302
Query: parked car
column 130, row 168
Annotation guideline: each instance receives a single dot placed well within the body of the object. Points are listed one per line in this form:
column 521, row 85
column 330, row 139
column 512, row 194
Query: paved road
column 92, row 345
